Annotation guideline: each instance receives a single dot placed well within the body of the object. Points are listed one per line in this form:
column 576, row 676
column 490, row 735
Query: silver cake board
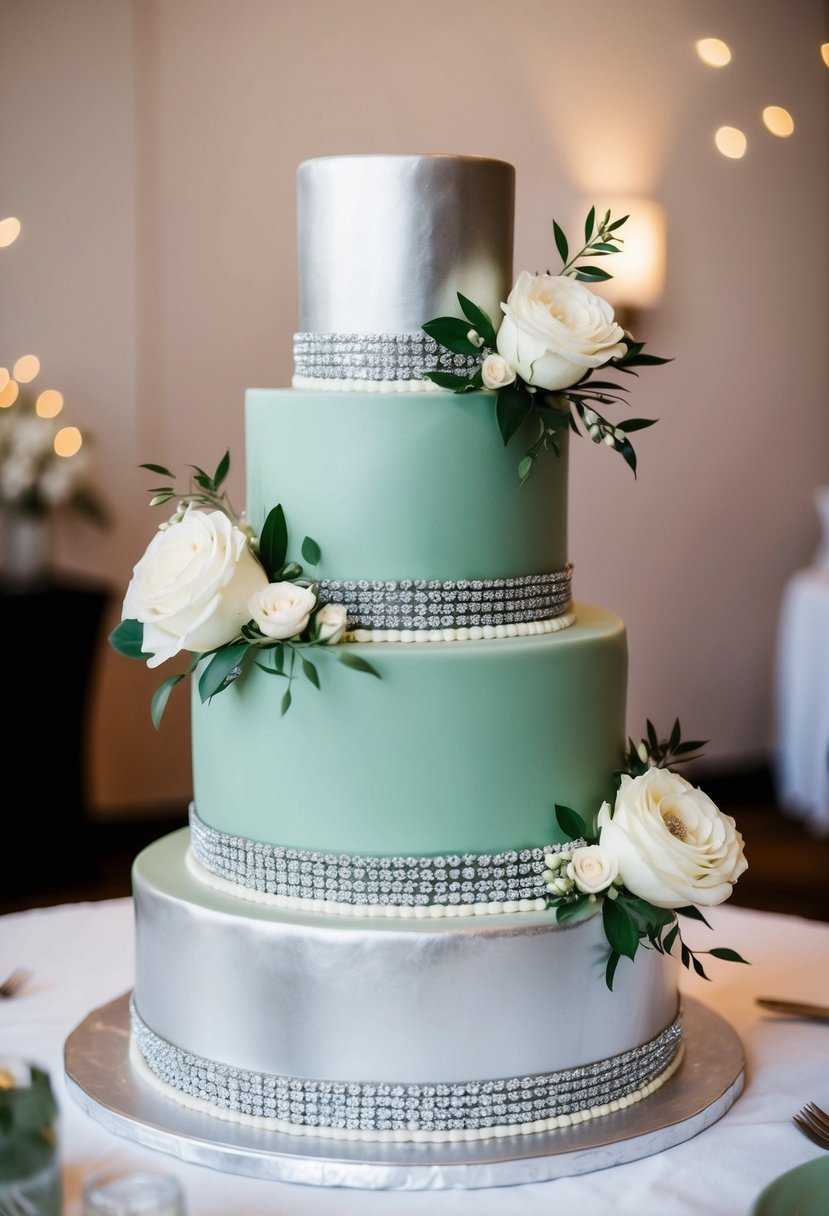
column 104, row 1083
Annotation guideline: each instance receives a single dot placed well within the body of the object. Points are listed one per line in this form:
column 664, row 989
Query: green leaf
column 160, row 698
column 222, row 470
column 310, row 672
column 271, row 671
column 513, row 407
column 128, row 639
column 479, row 319
column 604, row 247
column 730, row 956
column 635, row 424
column 158, row 468
column 451, row 332
column 561, row 243
column 457, row 384
column 669, row 939
column 203, row 480
column 626, row 450
column 286, row 702
column 525, row 467
column 219, row 672
column 676, row 735
column 592, row 274
column 291, row 571
column 311, row 551
column 618, row 223
column 589, row 224
column 273, row 543
column 571, row 823
column 698, row 967
column 620, row 928
column 610, row 970
column 349, row 659
column 565, row 912
column 693, row 914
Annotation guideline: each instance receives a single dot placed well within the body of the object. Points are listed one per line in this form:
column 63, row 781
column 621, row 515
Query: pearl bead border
column 314, row 384
column 474, row 633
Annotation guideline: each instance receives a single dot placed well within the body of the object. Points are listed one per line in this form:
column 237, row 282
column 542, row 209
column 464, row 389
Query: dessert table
column 81, row 956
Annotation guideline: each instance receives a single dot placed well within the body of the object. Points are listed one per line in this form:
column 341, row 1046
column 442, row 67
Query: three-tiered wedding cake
column 353, row 937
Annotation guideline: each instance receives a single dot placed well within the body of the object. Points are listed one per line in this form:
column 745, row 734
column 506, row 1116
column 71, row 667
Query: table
column 802, row 698
column 81, row 956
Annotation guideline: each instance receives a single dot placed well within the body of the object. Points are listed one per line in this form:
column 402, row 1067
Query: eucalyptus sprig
column 202, row 491
column 653, row 752
column 553, row 412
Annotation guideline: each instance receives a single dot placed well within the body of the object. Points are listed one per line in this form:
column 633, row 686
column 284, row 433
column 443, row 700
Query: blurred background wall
column 149, row 150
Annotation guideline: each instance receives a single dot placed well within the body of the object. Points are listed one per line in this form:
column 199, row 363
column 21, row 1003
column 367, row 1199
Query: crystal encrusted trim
column 392, row 1109
column 453, row 880
column 373, row 357
column 433, row 604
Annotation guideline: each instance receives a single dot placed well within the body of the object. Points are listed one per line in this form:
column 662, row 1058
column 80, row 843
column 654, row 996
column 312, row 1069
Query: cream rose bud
column 331, row 621
column 496, row 372
column 592, row 869
column 555, row 329
column 282, row 610
column 673, row 845
column 191, row 588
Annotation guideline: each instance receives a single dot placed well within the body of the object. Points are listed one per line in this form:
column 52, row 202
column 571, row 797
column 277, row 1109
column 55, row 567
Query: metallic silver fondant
column 305, row 995
column 386, row 242
column 398, row 1105
column 437, row 604
column 470, row 878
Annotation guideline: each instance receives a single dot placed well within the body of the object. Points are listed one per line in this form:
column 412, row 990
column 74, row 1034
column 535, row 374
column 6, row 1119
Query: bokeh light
column 49, row 404
column 68, row 441
column 714, row 52
column 731, row 142
column 8, row 395
column 4, row 377
column 778, row 121
column 824, row 53
column 26, row 368
column 9, row 231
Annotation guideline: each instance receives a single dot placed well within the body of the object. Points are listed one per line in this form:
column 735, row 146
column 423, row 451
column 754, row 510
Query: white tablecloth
column 802, row 698
column 81, row 956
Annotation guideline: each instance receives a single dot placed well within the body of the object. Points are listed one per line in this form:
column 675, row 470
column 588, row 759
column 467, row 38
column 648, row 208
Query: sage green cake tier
column 458, row 747
column 404, row 485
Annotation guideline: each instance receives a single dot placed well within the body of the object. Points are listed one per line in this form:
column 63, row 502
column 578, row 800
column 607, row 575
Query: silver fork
column 814, row 1123
column 14, row 982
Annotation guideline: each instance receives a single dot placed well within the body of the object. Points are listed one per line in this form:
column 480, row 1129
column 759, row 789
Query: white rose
column 673, row 845
column 331, row 623
column 191, row 588
column 496, row 372
column 281, row 610
column 592, row 869
column 555, row 329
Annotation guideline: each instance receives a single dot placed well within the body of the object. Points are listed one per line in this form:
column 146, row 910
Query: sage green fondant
column 397, row 485
column 459, row 747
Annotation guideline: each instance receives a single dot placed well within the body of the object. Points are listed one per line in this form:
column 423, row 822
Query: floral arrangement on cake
column 554, row 335
column 660, row 850
column 209, row 586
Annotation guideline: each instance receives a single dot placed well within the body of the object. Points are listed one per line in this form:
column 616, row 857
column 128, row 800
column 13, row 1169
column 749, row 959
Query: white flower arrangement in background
column 554, row 334
column 660, row 850
column 209, row 586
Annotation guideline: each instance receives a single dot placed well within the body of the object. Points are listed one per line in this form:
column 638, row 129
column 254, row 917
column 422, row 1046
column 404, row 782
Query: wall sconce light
column 639, row 269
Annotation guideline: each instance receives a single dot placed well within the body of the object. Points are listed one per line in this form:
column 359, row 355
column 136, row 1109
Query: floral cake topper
column 554, row 335
column 208, row 585
column 660, row 850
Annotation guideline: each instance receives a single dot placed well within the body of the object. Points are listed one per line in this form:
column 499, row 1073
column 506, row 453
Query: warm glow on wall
column 824, row 53
column 68, row 441
column 8, row 395
column 731, row 142
column 714, row 52
column 49, row 404
column 26, row 368
column 9, row 231
column 778, row 121
column 639, row 269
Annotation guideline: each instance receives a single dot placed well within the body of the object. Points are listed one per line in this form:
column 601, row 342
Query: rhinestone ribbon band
column 436, row 604
column 374, row 357
column 469, row 878
column 400, row 1107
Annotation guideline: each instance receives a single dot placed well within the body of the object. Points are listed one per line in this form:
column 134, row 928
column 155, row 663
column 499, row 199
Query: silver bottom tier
column 103, row 1081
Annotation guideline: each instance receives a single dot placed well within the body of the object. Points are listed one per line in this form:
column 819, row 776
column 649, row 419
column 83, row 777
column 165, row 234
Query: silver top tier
column 387, row 242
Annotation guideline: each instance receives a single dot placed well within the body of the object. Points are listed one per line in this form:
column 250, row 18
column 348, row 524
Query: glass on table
column 132, row 1192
